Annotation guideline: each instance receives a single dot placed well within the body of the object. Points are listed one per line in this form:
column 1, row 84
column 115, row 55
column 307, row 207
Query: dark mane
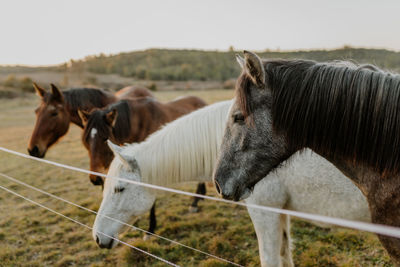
column 339, row 109
column 122, row 126
column 86, row 98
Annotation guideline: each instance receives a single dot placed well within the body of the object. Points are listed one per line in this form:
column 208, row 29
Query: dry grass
column 31, row 236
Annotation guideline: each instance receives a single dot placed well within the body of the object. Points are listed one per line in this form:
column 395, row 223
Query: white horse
column 186, row 149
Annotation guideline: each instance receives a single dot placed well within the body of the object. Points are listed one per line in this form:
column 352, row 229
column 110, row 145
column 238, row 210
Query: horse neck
column 184, row 150
column 144, row 120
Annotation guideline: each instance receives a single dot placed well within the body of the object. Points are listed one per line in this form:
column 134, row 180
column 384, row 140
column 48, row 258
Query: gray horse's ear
column 128, row 161
column 57, row 94
column 116, row 149
column 39, row 90
column 240, row 60
column 255, row 68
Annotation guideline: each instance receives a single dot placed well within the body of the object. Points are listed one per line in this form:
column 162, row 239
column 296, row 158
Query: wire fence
column 362, row 226
column 115, row 220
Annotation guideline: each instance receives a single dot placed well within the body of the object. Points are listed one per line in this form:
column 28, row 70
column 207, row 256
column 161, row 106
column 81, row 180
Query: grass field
column 32, row 236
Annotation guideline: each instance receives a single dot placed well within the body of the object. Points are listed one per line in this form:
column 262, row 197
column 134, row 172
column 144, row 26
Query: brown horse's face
column 52, row 121
column 98, row 129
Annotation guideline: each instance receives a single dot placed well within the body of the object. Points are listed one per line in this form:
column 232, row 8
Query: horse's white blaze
column 186, row 150
column 93, row 133
column 51, row 108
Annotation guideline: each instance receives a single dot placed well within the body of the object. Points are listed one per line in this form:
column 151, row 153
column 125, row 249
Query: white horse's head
column 122, row 200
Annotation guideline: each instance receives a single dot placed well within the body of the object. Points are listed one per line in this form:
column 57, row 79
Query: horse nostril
column 97, row 240
column 217, row 187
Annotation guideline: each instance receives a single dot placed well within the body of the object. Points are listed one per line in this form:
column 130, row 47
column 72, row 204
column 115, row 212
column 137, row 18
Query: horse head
column 122, row 201
column 98, row 127
column 52, row 121
column 250, row 148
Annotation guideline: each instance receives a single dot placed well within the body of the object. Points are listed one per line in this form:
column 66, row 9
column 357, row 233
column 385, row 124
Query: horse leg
column 286, row 248
column 152, row 224
column 201, row 189
column 269, row 233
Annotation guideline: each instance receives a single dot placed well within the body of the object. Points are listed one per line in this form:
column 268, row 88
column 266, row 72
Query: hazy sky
column 54, row 31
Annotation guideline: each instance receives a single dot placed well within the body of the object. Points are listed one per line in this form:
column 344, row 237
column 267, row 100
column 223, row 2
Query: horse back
column 147, row 115
column 183, row 105
column 133, row 92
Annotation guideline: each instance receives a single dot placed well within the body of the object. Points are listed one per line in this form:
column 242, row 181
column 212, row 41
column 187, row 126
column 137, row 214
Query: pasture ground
column 32, row 236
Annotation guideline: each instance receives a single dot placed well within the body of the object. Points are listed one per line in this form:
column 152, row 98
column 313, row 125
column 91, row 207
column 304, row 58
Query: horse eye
column 119, row 189
column 53, row 114
column 238, row 118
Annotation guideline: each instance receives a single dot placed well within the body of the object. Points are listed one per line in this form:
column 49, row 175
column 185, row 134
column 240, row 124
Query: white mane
column 183, row 150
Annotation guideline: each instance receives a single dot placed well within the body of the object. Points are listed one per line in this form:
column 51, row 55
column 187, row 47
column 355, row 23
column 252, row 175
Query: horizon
column 199, row 49
column 48, row 32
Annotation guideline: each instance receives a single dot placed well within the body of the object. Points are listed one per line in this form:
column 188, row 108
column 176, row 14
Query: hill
column 181, row 65
column 178, row 65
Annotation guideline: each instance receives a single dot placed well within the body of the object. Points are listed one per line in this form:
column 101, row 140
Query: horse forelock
column 96, row 122
column 340, row 110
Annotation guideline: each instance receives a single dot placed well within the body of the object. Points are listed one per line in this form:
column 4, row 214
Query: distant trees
column 24, row 84
column 185, row 65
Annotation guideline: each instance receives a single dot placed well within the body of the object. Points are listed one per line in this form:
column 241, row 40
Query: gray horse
column 348, row 114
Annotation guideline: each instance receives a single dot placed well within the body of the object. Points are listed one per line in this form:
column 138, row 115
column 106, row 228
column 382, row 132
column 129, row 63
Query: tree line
column 182, row 65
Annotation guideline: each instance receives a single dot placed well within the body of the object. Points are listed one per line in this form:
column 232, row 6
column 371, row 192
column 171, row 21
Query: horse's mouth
column 107, row 246
column 243, row 194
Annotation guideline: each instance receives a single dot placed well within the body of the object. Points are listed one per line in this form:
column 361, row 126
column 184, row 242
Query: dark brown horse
column 128, row 121
column 58, row 109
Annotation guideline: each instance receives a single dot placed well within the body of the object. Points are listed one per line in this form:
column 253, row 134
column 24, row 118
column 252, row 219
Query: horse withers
column 348, row 114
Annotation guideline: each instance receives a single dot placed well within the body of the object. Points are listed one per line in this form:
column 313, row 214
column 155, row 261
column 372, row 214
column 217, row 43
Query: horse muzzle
column 109, row 245
column 96, row 180
column 231, row 190
column 35, row 152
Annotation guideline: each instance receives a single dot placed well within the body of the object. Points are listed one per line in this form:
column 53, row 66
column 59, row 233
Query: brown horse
column 128, row 121
column 58, row 109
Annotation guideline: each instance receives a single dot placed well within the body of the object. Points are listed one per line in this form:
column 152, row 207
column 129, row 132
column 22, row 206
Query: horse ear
column 111, row 117
column 128, row 161
column 240, row 60
column 255, row 68
column 84, row 115
column 57, row 94
column 39, row 90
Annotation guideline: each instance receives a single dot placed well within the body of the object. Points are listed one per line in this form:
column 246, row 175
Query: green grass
column 32, row 236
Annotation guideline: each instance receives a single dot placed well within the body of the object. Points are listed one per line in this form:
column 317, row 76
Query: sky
column 44, row 32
